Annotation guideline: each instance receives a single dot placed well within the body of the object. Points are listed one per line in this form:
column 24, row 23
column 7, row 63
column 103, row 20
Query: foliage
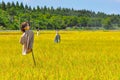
column 49, row 18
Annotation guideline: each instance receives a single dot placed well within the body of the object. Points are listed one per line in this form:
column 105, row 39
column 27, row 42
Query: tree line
column 12, row 14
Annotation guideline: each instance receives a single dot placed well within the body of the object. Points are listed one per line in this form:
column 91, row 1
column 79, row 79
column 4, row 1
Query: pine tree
column 30, row 8
column 26, row 7
column 34, row 9
column 8, row 5
column 17, row 4
column 3, row 6
column 13, row 5
column 21, row 6
column 38, row 8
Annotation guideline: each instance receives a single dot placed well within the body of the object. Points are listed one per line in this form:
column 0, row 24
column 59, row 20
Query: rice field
column 81, row 55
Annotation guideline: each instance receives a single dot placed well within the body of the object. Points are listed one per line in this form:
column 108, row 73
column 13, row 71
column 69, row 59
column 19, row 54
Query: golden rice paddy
column 81, row 55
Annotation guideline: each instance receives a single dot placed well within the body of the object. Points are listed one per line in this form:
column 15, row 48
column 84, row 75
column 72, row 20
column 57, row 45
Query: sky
column 106, row 6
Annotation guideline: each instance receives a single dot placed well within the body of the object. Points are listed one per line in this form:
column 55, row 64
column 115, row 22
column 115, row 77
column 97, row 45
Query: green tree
column 17, row 4
column 13, row 5
column 8, row 5
column 3, row 6
column 21, row 6
column 2, row 22
column 83, row 21
column 107, row 23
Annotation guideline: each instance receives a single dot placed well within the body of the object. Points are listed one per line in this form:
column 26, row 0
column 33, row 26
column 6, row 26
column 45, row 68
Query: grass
column 81, row 55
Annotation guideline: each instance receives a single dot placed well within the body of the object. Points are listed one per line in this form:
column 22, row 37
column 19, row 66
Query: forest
column 12, row 14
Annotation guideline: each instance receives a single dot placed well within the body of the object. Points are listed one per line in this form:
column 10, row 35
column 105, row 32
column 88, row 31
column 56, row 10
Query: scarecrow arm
column 22, row 40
